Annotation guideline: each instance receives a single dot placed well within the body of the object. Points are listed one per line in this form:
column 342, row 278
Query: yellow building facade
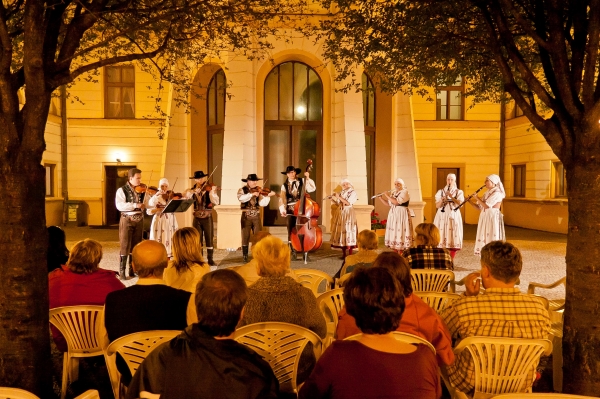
column 280, row 111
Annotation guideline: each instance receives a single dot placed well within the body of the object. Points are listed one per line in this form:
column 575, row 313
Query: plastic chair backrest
column 403, row 337
column 89, row 394
column 78, row 325
column 281, row 345
column 134, row 348
column 438, row 301
column 16, row 393
column 542, row 396
column 432, row 280
column 330, row 303
column 502, row 365
column 315, row 280
column 149, row 395
column 350, row 268
column 555, row 304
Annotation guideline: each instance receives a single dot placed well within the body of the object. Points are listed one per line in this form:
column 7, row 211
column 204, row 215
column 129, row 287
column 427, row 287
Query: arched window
column 215, row 124
column 293, row 126
column 368, row 92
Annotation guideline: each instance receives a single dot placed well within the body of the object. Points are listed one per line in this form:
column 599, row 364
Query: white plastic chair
column 89, row 394
column 432, row 280
column 315, row 280
column 542, row 396
column 78, row 325
column 16, row 393
column 502, row 365
column 149, row 395
column 281, row 345
column 330, row 303
column 438, row 301
column 133, row 348
column 403, row 337
column 555, row 304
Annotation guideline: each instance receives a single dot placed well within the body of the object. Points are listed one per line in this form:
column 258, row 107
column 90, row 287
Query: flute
column 469, row 197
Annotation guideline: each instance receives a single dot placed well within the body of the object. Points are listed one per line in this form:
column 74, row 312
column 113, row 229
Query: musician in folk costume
column 131, row 226
column 205, row 198
column 251, row 199
column 399, row 229
column 344, row 228
column 491, row 222
column 163, row 225
column 291, row 190
column 448, row 221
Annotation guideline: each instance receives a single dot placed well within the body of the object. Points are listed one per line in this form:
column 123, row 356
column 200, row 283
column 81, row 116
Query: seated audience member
column 367, row 252
column 58, row 254
column 376, row 365
column 427, row 255
column 80, row 282
column 149, row 304
column 277, row 297
column 418, row 317
column 204, row 361
column 187, row 267
column 249, row 271
column 500, row 311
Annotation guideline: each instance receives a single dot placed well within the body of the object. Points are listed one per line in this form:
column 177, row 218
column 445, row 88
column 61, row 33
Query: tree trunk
column 24, row 334
column 581, row 341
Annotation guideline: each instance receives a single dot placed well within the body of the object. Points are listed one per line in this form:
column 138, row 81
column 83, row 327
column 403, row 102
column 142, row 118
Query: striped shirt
column 498, row 312
column 426, row 257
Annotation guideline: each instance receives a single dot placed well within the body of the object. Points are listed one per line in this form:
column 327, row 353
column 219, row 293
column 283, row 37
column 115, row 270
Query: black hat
column 252, row 177
column 291, row 169
column 198, row 175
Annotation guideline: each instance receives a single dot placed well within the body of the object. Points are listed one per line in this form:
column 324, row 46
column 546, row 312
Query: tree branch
column 526, row 25
column 591, row 62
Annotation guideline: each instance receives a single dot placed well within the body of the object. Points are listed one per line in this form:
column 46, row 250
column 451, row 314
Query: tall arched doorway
column 293, row 127
column 215, row 125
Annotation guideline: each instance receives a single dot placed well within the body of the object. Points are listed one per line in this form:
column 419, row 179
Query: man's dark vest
column 252, row 204
column 130, row 195
column 288, row 193
column 202, row 202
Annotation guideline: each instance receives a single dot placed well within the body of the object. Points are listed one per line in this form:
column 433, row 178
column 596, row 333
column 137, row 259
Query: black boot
column 209, row 255
column 293, row 253
column 122, row 267
column 131, row 272
column 245, row 252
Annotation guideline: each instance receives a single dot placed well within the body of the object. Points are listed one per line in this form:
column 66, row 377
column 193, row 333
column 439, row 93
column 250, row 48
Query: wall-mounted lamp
column 119, row 161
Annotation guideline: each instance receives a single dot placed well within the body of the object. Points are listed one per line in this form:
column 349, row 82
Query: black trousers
column 291, row 221
column 249, row 225
column 130, row 233
column 205, row 228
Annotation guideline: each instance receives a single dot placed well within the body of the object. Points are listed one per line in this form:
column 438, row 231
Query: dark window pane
column 114, row 102
column 221, row 88
column 371, row 109
column 216, row 157
column 279, row 154
column 368, row 144
column 286, row 100
column 113, row 74
column 212, row 105
column 307, row 149
column 300, row 91
column 127, row 75
column 271, row 96
column 315, row 100
column 364, row 86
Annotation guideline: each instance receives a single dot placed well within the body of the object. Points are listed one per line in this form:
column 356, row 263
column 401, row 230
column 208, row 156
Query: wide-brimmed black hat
column 291, row 169
column 252, row 177
column 198, row 175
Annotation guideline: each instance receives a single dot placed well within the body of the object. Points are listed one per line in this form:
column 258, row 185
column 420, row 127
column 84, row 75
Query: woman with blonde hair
column 277, row 297
column 399, row 228
column 186, row 267
column 427, row 254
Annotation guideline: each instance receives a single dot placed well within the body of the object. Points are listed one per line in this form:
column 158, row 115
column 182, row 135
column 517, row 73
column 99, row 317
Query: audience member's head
column 256, row 237
column 58, row 254
column 503, row 261
column 85, row 257
column 272, row 257
column 186, row 249
column 149, row 259
column 220, row 299
column 373, row 296
column 367, row 239
column 399, row 268
column 427, row 234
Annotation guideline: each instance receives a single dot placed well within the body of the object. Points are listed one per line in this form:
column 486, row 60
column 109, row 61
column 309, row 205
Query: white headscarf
column 163, row 181
column 453, row 185
column 499, row 186
column 399, row 180
column 345, row 180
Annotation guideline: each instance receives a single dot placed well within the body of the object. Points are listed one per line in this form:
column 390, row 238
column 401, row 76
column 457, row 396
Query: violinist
column 344, row 228
column 163, row 225
column 205, row 198
column 130, row 203
column 251, row 198
column 290, row 194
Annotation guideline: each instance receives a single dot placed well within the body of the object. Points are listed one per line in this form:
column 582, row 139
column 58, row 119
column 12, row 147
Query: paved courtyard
column 543, row 254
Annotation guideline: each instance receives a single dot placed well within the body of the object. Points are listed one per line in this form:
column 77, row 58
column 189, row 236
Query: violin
column 170, row 195
column 264, row 191
column 142, row 188
column 306, row 236
column 205, row 187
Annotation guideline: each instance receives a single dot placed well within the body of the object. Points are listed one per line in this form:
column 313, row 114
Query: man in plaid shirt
column 501, row 311
column 427, row 255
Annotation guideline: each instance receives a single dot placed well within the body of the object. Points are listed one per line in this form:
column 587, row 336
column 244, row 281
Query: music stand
column 178, row 205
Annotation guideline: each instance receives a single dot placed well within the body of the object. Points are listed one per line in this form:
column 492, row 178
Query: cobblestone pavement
column 543, row 254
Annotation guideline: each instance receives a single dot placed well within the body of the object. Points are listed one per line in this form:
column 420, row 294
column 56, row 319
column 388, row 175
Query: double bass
column 306, row 236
